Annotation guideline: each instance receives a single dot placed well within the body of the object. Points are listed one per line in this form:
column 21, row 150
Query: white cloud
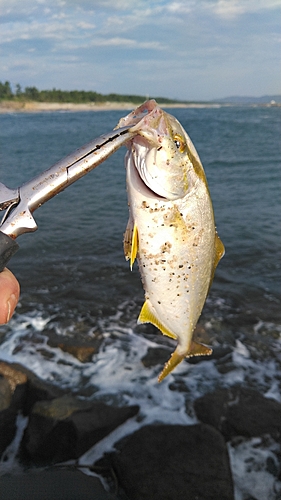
column 127, row 43
column 163, row 47
column 229, row 9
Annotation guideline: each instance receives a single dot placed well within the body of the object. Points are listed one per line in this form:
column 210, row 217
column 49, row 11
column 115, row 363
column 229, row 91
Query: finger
column 9, row 295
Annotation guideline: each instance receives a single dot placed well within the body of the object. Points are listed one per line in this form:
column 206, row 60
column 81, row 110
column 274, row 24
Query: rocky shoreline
column 157, row 461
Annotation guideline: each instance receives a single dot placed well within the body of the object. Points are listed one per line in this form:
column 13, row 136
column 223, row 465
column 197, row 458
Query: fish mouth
column 141, row 116
column 148, row 121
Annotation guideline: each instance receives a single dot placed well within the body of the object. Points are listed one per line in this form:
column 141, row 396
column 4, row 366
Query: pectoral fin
column 147, row 316
column 131, row 242
column 219, row 250
column 196, row 349
column 219, row 253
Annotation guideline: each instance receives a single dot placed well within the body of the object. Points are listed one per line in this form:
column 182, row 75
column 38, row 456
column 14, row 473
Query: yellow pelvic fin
column 196, row 349
column 135, row 245
column 131, row 242
column 147, row 316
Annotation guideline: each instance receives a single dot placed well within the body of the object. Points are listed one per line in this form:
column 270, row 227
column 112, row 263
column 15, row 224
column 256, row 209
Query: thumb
column 9, row 295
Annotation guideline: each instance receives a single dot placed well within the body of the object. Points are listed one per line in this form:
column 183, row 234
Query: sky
column 189, row 50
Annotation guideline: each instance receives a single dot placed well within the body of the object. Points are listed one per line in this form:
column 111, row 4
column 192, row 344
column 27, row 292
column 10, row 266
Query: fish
column 171, row 229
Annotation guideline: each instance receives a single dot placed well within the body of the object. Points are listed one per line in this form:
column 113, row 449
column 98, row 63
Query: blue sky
column 192, row 49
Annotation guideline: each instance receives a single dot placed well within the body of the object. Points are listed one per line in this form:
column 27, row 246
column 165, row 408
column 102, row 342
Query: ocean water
column 76, row 283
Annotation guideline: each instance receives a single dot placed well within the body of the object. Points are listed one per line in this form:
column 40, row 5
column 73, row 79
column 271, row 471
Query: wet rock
column 12, row 374
column 19, row 391
column 26, row 387
column 170, row 462
column 82, row 351
column 12, row 394
column 7, row 428
column 39, row 390
column 155, row 356
column 52, row 484
column 65, row 428
column 5, row 394
column 240, row 412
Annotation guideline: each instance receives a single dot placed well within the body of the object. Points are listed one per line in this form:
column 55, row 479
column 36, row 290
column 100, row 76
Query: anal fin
column 147, row 316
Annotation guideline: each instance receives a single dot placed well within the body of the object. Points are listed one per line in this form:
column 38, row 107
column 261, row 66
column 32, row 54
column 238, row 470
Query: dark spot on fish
column 181, row 265
column 158, row 149
column 159, row 302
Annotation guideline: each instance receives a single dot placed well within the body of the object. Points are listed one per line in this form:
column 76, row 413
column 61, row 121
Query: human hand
column 9, row 295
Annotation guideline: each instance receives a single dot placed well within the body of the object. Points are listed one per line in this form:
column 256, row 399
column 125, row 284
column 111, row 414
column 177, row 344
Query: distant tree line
column 74, row 96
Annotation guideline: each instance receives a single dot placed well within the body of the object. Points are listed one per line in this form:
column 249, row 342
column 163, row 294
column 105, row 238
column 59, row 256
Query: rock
column 19, row 390
column 12, row 393
column 240, row 412
column 26, row 387
column 171, row 462
column 12, row 374
column 65, row 428
column 5, row 394
column 52, row 484
column 155, row 356
column 82, row 351
column 39, row 390
column 7, row 428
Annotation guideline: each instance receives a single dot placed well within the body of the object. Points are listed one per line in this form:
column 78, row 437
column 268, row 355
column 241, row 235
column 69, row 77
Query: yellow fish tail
column 174, row 360
column 195, row 349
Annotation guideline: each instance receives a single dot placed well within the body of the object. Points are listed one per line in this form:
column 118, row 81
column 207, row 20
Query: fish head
column 163, row 153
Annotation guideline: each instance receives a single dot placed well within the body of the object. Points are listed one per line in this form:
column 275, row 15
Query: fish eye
column 179, row 142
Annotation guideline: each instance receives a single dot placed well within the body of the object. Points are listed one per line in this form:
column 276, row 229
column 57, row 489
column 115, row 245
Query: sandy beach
column 36, row 107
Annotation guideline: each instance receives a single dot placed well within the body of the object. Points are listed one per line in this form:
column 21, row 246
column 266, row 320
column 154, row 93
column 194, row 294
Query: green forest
column 73, row 96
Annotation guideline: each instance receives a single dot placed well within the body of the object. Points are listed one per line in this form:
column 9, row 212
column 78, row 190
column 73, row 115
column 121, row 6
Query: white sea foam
column 251, row 461
column 117, row 375
column 8, row 462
